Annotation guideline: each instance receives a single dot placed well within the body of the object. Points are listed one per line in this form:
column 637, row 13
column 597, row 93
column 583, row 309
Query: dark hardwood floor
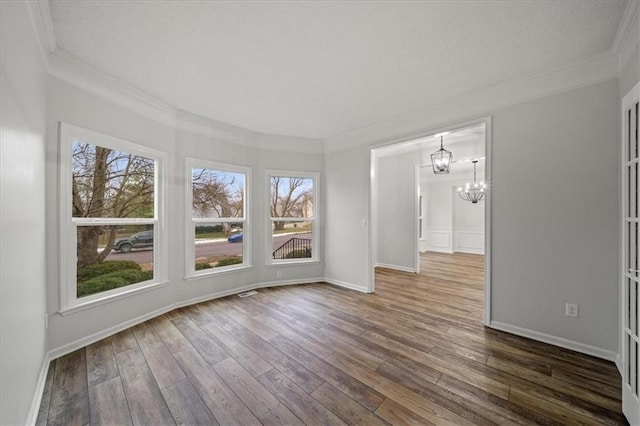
column 415, row 352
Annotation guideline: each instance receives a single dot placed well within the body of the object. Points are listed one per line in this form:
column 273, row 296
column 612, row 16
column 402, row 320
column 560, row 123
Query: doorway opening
column 419, row 222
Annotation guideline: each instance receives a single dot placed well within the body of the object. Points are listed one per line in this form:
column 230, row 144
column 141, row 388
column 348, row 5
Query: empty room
column 319, row 212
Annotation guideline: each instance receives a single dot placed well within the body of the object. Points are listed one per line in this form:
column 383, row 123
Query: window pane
column 218, row 245
column 217, row 193
column 292, row 240
column 110, row 183
column 291, row 197
column 110, row 257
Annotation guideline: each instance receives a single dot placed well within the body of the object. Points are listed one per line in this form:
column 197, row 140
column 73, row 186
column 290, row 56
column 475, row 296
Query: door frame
column 372, row 234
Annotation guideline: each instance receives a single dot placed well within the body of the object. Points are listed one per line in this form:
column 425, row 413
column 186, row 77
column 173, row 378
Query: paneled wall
column 450, row 224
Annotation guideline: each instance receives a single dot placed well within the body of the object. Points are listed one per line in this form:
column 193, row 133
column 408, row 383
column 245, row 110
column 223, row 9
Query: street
column 205, row 249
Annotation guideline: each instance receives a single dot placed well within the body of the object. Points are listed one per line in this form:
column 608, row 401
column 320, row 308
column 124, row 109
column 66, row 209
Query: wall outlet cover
column 571, row 310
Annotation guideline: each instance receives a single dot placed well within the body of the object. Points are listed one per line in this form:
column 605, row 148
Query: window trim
column 315, row 228
column 190, row 221
column 68, row 300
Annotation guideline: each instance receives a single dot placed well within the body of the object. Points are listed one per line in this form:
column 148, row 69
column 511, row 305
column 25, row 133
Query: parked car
column 139, row 240
column 235, row 238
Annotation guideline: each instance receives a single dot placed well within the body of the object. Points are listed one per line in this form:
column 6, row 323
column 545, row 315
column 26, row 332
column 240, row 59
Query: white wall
column 630, row 71
column 556, row 172
column 68, row 103
column 347, row 205
column 468, row 225
column 22, row 227
column 554, row 187
column 438, row 235
column 396, row 211
column 451, row 224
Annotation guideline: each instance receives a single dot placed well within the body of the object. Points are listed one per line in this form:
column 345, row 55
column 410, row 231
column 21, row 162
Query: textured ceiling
column 321, row 69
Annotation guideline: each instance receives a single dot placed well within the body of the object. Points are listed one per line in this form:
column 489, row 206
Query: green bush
column 202, row 265
column 226, row 261
column 298, row 253
column 113, row 280
column 207, row 229
column 97, row 269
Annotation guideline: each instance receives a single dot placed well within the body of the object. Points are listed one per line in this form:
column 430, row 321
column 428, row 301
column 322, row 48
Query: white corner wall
column 22, row 226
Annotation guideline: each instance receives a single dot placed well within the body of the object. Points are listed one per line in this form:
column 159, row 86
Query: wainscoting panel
column 440, row 240
column 468, row 240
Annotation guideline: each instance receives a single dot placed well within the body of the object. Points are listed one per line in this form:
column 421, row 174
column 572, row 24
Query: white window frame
column 69, row 302
column 315, row 228
column 191, row 222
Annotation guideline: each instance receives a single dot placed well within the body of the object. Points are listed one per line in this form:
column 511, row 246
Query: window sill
column 82, row 306
column 224, row 271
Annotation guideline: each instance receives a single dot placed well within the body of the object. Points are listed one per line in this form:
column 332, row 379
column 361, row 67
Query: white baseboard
column 469, row 251
column 556, row 341
column 290, row 282
column 85, row 341
column 619, row 364
column 34, row 409
column 346, row 285
column 439, row 250
column 395, row 267
column 95, row 337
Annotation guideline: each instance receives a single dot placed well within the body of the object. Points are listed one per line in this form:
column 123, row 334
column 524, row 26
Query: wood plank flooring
column 415, row 352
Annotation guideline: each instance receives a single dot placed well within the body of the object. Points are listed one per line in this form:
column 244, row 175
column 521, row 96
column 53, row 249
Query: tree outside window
column 215, row 236
column 292, row 217
column 110, row 216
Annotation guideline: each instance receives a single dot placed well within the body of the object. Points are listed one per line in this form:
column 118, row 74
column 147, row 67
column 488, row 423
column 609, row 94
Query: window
column 111, row 217
column 293, row 226
column 217, row 229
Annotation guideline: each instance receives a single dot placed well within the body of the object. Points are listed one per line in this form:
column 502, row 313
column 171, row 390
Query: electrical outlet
column 278, row 274
column 571, row 310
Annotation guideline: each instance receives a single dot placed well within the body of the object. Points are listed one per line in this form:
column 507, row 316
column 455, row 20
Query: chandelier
column 441, row 160
column 473, row 192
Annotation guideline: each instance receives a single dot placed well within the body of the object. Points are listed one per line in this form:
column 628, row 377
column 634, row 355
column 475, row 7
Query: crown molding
column 597, row 68
column 628, row 35
column 81, row 74
column 43, row 27
column 202, row 126
column 290, row 144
